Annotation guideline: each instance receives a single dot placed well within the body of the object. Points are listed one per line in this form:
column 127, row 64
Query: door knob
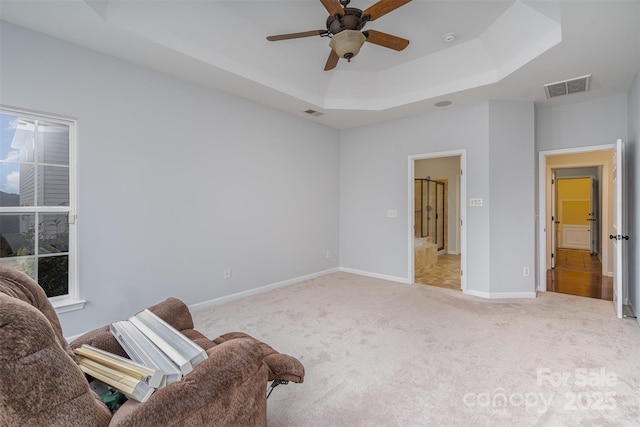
column 618, row 237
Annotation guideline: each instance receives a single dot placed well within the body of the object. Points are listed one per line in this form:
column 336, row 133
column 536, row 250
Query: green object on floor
column 113, row 399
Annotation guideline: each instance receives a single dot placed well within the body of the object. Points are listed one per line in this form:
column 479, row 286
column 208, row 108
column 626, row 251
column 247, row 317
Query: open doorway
column 578, row 210
column 576, row 196
column 437, row 215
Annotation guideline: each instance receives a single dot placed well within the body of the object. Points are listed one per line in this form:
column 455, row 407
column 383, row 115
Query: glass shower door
column 430, row 211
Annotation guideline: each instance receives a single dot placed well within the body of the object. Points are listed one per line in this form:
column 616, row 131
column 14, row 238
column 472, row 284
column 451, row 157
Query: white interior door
column 554, row 218
column 618, row 236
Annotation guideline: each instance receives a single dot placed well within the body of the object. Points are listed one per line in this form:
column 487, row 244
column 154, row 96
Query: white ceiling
column 504, row 49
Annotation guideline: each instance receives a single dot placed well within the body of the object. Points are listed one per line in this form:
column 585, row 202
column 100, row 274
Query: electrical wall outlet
column 526, row 271
column 392, row 213
column 327, row 254
column 227, row 273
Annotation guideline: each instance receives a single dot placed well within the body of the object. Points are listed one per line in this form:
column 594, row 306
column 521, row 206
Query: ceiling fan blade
column 386, row 40
column 296, row 35
column 383, row 7
column 332, row 61
column 333, row 7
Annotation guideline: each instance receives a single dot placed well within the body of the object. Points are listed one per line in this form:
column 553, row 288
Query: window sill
column 68, row 304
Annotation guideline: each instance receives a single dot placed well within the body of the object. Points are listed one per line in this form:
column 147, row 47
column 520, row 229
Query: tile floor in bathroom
column 445, row 274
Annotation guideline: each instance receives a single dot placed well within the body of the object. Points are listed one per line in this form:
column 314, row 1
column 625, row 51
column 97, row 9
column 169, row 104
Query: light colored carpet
column 379, row 353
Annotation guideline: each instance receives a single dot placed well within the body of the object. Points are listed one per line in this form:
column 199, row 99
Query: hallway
column 579, row 273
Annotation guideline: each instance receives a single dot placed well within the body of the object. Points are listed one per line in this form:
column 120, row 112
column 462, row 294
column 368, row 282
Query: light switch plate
column 475, row 202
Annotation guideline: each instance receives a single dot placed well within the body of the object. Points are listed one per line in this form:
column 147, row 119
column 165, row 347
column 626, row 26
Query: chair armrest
column 284, row 367
column 281, row 366
column 226, row 389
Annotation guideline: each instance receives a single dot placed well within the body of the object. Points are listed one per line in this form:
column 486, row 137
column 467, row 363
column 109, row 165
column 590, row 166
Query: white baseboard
column 481, row 294
column 228, row 298
column 499, row 295
column 375, row 275
column 633, row 309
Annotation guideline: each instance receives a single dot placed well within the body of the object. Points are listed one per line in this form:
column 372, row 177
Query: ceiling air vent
column 313, row 113
column 567, row 87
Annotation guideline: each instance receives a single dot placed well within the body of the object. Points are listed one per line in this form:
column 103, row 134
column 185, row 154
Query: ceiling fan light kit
column 344, row 27
column 347, row 43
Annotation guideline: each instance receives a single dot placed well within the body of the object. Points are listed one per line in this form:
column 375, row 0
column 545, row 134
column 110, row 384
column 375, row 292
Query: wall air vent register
column 567, row 87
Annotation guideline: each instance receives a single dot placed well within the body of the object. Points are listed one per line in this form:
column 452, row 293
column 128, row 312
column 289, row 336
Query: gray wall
column 584, row 124
column 374, row 174
column 374, row 178
column 512, row 178
column 633, row 160
column 177, row 182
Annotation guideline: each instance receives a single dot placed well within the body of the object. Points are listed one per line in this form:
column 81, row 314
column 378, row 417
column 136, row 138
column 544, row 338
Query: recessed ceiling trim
column 500, row 51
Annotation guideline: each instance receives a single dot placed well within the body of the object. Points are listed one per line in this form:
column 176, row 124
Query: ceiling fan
column 344, row 27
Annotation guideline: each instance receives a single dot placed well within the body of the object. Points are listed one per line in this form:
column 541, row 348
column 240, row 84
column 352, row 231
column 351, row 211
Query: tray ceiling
column 502, row 50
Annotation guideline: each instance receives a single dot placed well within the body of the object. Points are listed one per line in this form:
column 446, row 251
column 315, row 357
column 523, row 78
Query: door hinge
column 552, row 255
column 553, row 181
column 460, row 272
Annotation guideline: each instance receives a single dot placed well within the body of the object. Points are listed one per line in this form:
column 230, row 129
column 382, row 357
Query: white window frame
column 70, row 301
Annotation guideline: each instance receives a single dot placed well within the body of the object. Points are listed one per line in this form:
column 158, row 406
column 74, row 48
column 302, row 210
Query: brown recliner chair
column 41, row 383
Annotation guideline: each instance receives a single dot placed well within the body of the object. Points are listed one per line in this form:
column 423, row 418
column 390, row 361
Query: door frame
column 560, row 211
column 594, row 217
column 554, row 219
column 461, row 205
column 543, row 192
column 619, row 228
